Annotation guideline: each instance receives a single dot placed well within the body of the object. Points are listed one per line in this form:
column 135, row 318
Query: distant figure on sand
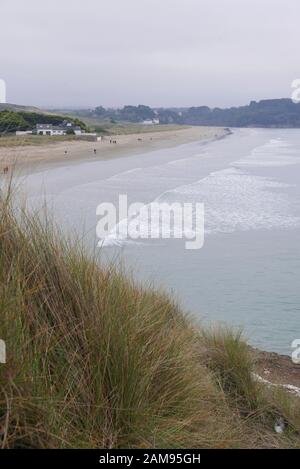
column 66, row 152
column 5, row 170
column 95, row 151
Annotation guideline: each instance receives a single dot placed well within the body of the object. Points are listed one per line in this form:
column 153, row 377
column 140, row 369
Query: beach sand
column 37, row 157
column 278, row 370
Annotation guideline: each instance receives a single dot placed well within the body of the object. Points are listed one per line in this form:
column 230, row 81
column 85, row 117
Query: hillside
column 274, row 113
column 12, row 119
column 266, row 113
column 17, row 107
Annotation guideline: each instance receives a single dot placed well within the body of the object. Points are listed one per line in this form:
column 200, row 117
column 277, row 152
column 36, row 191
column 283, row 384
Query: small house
column 58, row 130
column 49, row 129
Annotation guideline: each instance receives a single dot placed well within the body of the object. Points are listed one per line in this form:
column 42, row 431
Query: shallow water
column 247, row 274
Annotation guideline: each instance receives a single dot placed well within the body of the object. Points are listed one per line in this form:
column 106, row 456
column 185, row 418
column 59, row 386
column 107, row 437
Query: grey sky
column 156, row 52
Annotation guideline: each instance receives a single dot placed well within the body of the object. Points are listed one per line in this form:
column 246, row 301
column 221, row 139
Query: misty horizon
column 169, row 54
column 154, row 107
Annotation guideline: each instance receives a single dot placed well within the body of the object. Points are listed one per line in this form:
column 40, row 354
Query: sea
column 247, row 273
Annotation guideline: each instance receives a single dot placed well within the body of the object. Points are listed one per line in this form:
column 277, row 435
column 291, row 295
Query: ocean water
column 247, row 273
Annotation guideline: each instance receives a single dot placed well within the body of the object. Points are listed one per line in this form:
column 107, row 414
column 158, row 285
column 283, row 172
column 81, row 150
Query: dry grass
column 230, row 358
column 127, row 128
column 96, row 361
column 10, row 141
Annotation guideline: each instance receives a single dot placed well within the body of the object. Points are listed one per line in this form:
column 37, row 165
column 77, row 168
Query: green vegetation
column 265, row 113
column 11, row 121
column 95, row 360
column 127, row 113
column 232, row 362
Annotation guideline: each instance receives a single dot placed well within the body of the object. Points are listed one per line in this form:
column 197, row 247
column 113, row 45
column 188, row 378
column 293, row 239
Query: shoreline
column 270, row 367
column 32, row 158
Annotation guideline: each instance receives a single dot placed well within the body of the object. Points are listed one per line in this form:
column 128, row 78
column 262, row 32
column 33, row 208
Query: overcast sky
column 156, row 52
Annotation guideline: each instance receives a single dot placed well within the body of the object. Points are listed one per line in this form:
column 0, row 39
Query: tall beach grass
column 97, row 361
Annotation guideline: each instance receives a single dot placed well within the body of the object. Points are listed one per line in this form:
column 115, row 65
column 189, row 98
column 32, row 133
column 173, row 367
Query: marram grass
column 96, row 361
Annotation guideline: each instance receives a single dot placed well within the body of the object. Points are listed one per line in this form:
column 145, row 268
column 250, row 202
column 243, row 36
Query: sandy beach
column 35, row 157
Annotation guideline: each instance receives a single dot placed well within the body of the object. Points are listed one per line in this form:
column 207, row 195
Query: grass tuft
column 230, row 358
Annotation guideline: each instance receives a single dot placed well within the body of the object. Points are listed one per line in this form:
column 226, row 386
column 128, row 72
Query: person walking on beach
column 95, row 151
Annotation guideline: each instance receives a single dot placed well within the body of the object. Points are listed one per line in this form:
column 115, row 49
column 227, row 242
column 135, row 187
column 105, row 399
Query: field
column 124, row 128
column 9, row 141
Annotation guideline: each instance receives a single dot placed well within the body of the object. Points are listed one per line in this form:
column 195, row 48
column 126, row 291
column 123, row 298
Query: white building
column 57, row 130
column 70, row 126
column 151, row 122
column 49, row 129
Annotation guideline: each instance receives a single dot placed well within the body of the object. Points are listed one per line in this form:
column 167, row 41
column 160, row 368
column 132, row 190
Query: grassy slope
column 97, row 361
column 17, row 108
column 9, row 139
